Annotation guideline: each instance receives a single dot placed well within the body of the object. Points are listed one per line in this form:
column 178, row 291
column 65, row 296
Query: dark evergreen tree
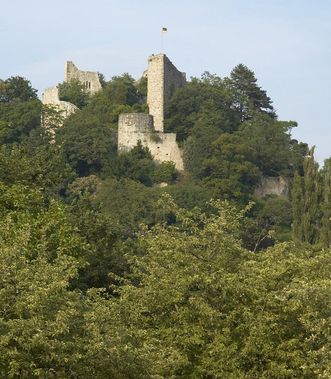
column 248, row 96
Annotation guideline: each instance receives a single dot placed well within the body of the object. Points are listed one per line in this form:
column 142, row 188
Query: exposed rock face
column 270, row 185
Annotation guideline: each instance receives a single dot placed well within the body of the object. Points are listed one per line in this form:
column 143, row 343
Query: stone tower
column 162, row 78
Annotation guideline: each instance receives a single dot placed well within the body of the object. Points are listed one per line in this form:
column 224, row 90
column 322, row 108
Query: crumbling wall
column 134, row 127
column 162, row 78
column 89, row 79
column 51, row 97
column 49, row 121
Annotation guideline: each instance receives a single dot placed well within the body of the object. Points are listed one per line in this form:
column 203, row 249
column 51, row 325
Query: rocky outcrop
column 270, row 185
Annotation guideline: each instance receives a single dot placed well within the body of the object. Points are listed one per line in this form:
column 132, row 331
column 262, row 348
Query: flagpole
column 162, row 42
column 163, row 32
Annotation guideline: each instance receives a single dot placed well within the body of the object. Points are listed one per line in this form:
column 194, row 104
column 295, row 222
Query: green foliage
column 269, row 222
column 102, row 79
column 198, row 146
column 306, row 198
column 165, row 172
column 297, row 198
column 43, row 168
column 142, row 87
column 325, row 230
column 74, row 92
column 86, row 143
column 128, row 204
column 39, row 256
column 88, row 138
column 205, row 98
column 137, row 164
column 230, row 172
column 272, row 144
column 47, row 328
column 16, row 89
column 248, row 97
column 122, row 90
column 99, row 229
column 205, row 307
column 17, row 120
column 103, row 274
column 311, row 198
column 299, row 151
column 189, row 194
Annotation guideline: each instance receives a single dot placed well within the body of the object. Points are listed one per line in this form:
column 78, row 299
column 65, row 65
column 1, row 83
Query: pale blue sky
column 285, row 42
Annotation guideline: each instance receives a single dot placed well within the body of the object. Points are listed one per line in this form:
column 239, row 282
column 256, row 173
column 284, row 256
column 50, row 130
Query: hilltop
column 160, row 228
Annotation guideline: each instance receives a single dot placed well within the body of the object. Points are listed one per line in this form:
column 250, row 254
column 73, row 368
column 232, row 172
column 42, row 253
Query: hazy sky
column 285, row 42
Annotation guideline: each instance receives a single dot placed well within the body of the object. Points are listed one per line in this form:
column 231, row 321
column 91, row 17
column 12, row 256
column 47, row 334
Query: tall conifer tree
column 297, row 207
column 305, row 201
column 325, row 232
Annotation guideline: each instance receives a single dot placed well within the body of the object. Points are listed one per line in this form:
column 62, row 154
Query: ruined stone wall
column 162, row 78
column 89, row 79
column 49, row 121
column 51, row 97
column 134, row 127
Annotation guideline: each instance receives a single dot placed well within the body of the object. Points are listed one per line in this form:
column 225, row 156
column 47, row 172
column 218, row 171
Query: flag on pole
column 164, row 30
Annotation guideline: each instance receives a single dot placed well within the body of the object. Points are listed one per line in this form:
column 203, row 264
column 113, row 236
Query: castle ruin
column 88, row 78
column 162, row 79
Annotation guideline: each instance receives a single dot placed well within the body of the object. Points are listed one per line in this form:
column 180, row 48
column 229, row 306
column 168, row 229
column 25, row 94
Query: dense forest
column 114, row 266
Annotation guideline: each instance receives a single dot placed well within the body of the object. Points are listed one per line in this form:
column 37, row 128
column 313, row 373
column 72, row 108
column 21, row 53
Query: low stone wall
column 134, row 127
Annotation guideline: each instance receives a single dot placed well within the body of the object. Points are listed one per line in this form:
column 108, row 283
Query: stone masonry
column 162, row 78
column 134, row 127
column 51, row 95
column 90, row 79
